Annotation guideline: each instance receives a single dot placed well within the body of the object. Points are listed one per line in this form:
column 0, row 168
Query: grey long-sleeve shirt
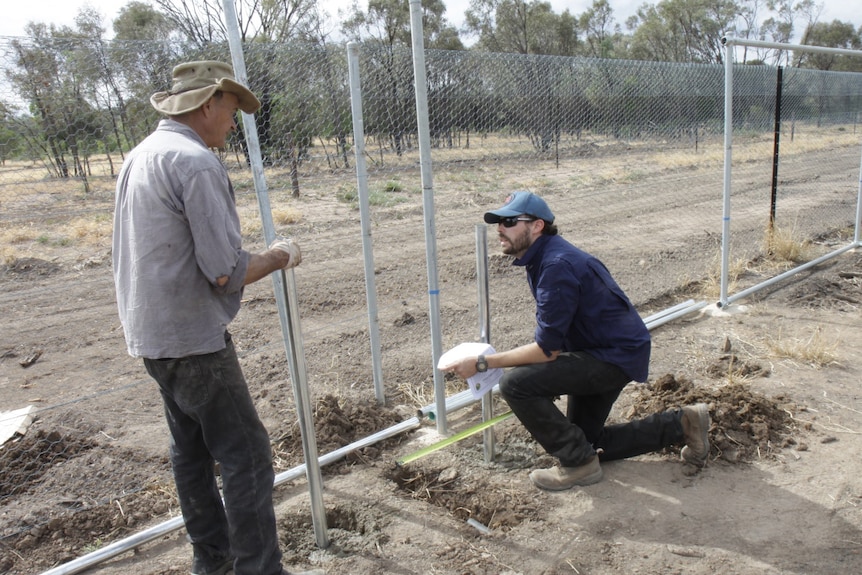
column 176, row 230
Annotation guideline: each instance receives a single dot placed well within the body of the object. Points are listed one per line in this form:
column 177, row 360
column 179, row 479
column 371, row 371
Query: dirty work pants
column 212, row 418
column 592, row 386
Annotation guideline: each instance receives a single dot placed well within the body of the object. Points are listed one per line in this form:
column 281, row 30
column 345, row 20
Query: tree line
column 75, row 93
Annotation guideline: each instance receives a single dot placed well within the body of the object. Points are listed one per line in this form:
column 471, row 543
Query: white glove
column 290, row 247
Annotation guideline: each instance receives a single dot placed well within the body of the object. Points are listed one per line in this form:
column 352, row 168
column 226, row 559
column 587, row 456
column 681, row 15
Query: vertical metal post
column 364, row 217
column 728, row 158
column 485, row 330
column 421, row 88
column 779, row 85
column 284, row 285
column 856, row 232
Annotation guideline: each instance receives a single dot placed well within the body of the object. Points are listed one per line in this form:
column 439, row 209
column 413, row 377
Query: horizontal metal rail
column 731, row 41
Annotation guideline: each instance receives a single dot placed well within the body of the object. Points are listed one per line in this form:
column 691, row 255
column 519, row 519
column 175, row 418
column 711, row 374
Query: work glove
column 290, row 247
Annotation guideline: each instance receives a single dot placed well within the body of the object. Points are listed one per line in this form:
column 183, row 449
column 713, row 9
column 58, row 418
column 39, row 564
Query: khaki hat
column 195, row 83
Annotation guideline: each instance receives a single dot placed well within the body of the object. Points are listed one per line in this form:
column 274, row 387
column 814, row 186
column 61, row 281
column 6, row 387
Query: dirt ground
column 780, row 370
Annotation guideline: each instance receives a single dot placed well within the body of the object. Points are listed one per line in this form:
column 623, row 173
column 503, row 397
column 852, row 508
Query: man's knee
column 512, row 385
column 505, row 386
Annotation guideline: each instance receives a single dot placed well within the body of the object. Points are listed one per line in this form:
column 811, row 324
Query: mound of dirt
column 27, row 268
column 746, row 426
column 339, row 423
column 24, row 461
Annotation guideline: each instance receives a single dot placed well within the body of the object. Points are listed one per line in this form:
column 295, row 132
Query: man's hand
column 289, row 247
column 464, row 368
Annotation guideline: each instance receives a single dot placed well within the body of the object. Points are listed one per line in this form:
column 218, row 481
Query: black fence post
column 777, row 135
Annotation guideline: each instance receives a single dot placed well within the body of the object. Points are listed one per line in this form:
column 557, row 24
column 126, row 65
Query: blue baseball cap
column 518, row 203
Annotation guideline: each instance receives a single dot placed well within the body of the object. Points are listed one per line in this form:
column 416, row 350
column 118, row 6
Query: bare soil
column 781, row 494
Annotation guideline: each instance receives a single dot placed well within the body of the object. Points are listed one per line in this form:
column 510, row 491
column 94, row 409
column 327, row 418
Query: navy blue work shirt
column 580, row 307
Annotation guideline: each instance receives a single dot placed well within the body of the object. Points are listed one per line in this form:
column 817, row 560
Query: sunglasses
column 512, row 221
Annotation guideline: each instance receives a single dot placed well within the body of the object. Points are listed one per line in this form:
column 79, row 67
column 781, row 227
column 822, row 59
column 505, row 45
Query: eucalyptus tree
column 600, row 29
column 836, row 95
column 201, row 22
column 782, row 26
column 384, row 30
column 145, row 47
column 336, row 120
column 684, row 30
column 533, row 102
column 47, row 74
column 748, row 26
column 521, row 27
column 835, row 34
column 12, row 143
column 101, row 78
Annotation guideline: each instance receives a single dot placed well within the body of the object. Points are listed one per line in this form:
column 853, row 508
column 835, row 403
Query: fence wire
column 628, row 153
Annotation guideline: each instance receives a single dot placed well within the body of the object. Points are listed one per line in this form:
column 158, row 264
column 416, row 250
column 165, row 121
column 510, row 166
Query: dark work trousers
column 212, row 418
column 592, row 387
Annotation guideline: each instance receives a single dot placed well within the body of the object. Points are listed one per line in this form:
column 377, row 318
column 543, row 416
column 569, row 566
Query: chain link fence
column 629, row 155
column 809, row 122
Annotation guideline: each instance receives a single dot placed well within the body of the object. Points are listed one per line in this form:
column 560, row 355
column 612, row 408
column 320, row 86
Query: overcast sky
column 17, row 13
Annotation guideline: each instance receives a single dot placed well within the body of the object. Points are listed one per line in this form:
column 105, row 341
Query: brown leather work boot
column 562, row 478
column 695, row 427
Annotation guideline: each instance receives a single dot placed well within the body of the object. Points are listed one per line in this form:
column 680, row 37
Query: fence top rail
column 731, row 41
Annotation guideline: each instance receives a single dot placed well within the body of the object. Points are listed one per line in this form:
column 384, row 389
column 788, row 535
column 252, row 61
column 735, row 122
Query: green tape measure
column 453, row 439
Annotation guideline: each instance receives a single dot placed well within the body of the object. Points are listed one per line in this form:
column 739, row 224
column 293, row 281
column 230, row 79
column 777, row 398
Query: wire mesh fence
column 629, row 155
column 810, row 189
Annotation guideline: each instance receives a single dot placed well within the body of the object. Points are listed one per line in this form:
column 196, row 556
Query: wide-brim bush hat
column 195, row 82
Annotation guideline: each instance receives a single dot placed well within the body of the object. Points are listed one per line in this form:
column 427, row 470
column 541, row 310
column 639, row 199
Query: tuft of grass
column 94, row 546
column 392, row 186
column 19, row 235
column 815, row 350
column 381, row 198
column 251, row 225
column 284, row 216
column 785, row 245
column 422, row 394
column 91, row 230
column 416, row 394
column 347, row 194
column 710, row 288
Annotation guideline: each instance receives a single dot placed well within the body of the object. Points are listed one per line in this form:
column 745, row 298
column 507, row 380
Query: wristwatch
column 481, row 364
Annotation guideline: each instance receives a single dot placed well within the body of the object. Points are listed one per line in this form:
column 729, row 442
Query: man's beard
column 518, row 244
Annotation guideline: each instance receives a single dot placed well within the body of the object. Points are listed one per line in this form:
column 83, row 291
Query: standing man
column 179, row 272
column 589, row 343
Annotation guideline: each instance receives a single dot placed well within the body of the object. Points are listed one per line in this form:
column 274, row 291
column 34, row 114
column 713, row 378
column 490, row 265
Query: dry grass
column 710, row 287
column 25, row 187
column 786, row 245
column 756, row 148
column 420, row 394
column 252, row 224
column 780, row 246
column 816, row 349
column 20, row 241
column 285, row 216
column 93, row 230
column 18, row 235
